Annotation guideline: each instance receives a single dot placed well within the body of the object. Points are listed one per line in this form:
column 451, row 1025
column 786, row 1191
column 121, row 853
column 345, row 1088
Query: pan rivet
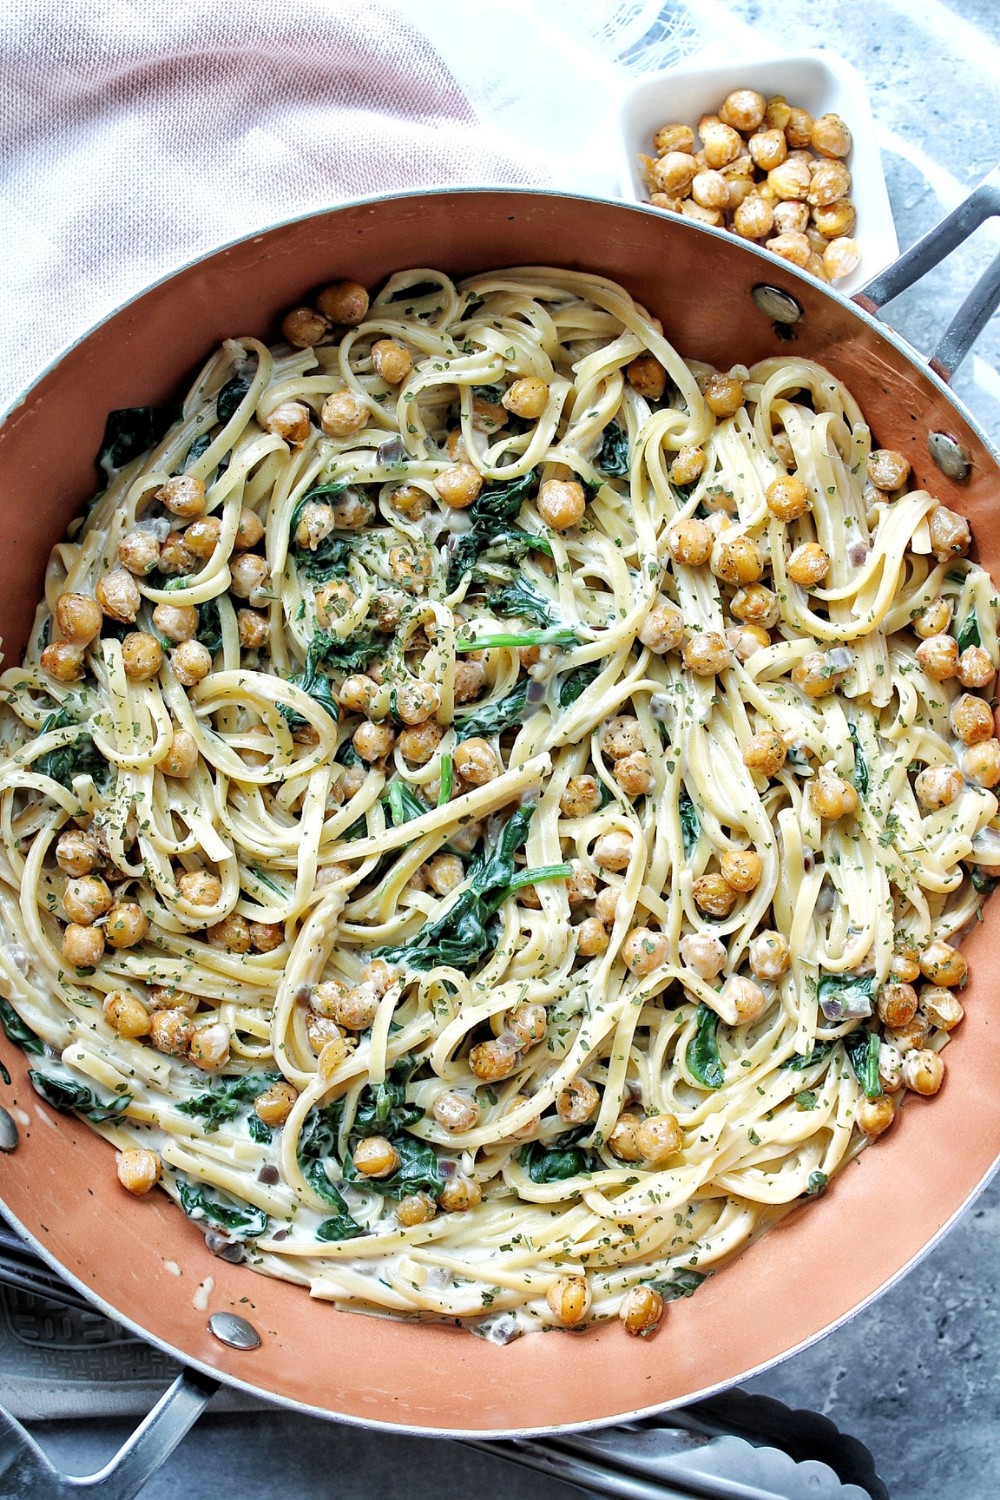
column 8, row 1131
column 951, row 458
column 234, row 1331
column 776, row 304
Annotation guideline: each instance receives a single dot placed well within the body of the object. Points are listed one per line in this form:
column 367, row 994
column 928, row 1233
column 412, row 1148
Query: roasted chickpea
column 455, row 1111
column 569, row 1298
column 737, row 559
column 707, row 653
column 460, row 1194
column 419, row 743
column 591, row 937
column 663, row 628
column 126, row 925
column 183, row 495
column 274, row 1104
column 248, row 574
column 923, row 1071
column 724, row 395
column 82, row 945
column 170, row 1031
column 769, row 955
column 713, row 895
column 981, row 763
column 342, row 414
column 741, row 868
column 949, row 533
column 118, row 595
column 622, row 736
column 392, row 361
column 78, row 618
column 561, row 503
column 765, row 752
column 942, row 964
column 582, row 796
column 86, row 898
column 291, row 421
column 688, row 465
column 640, row 1310
column 887, row 469
column 613, row 851
column 623, row 1141
column 975, row 668
column 808, row 565
column 830, row 136
column 126, row 1014
column 831, row 796
column 191, row 663
column 787, row 498
column 874, row 1116
column 941, row 1006
column 138, row 553
column 77, row 853
column 232, row 933
column 493, row 1059
column 252, row 628
column 643, row 951
column 646, row 376
column 175, row 555
column 528, row 1024
column 459, row 485
column 754, row 217
column 938, row 657
column 199, row 887
column 938, row 786
column 343, row 302
column 673, row 172
column 896, row 1004
column 141, row 656
column 138, row 1170
column 63, row 661
column 304, row 327
column 635, row 774
column 527, row 397
column 476, row 761
column 659, row 1138
column 689, row 541
column 577, row 1101
column 971, row 719
column 445, row 872
column 202, row 537
column 743, row 109
column 178, row 622
column 414, row 1209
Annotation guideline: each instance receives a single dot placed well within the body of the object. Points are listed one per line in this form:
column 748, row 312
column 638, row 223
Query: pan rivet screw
column 8, row 1131
column 776, row 304
column 234, row 1331
column 951, row 458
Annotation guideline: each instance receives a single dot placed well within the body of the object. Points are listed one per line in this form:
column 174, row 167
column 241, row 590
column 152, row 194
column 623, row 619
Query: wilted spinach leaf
column 128, row 433
column 80, row 757
column 842, row 996
column 210, row 626
column 702, row 1054
column 230, row 396
column 226, row 1098
column 502, row 502
column 496, row 715
column 862, row 1048
column 690, row 822
column 574, row 683
column 613, row 459
column 19, row 1031
column 200, row 1202
column 66, row 1096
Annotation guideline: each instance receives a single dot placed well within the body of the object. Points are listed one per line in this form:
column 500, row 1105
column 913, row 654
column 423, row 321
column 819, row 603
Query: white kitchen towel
column 136, row 137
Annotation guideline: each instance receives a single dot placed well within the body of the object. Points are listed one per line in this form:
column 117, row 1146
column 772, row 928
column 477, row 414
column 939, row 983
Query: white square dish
column 818, row 81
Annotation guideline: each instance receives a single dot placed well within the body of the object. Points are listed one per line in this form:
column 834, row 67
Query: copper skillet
column 721, row 301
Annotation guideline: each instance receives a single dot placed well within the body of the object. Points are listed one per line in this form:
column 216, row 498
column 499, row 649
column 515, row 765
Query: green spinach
column 683, row 1283
column 19, row 1031
column 861, row 777
column 816, row 1184
column 232, row 393
column 702, row 1055
column 419, row 1171
column 226, row 1098
column 403, row 804
column 495, row 715
column 690, row 822
column 66, row 1096
column 128, row 433
column 969, row 634
column 560, row 1160
column 613, row 458
column 819, row 1053
column 210, row 626
column 519, row 598
column 862, row 1048
column 843, row 996
column 573, row 684
column 200, row 1202
column 80, row 757
column 501, row 503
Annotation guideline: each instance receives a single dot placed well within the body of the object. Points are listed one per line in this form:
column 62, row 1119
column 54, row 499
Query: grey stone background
column 914, row 1375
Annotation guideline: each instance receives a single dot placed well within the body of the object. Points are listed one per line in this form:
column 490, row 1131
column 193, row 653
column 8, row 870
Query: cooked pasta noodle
column 480, row 854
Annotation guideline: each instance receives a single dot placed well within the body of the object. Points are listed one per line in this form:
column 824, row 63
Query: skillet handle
column 982, row 301
column 26, row 1471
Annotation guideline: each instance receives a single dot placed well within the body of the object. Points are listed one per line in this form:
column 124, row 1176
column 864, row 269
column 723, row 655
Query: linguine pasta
column 493, row 887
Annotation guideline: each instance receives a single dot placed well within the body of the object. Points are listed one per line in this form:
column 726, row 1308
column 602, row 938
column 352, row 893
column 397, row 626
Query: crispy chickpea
column 663, row 628
column 704, row 953
column 138, row 1170
column 376, row 1156
column 315, row 524
column 414, row 1209
column 232, row 933
column 798, row 128
column 577, row 1101
column 248, row 573
column 644, row 950
column 393, row 362
column 459, row 485
column 753, row 218
column 527, row 397
column 591, row 937
column 970, row 719
column 342, row 414
column 290, row 421
column 118, row 595
column 417, row 701
column 890, row 1067
column 561, row 503
column 790, row 217
column 724, row 395
column 874, row 1116
column 830, row 136
column 622, row 736
column 178, row 622
column 411, row 567
column 613, row 851
column 737, row 559
column 707, row 653
column 981, row 763
column 138, row 553
column 322, row 1032
column 581, row 885
column 830, row 181
column 183, row 495
column 747, row 1000
column 709, row 189
column 63, row 661
column 938, row 786
column 904, row 968
column 765, row 752
column 687, row 466
column 170, row 1032
column 359, row 694
column 814, row 676
column 79, row 618
column 82, row 946
column 343, row 302
column 934, row 619
column 831, row 796
column 975, row 669
column 275, row 1103
column 373, row 741
column 714, row 895
column 689, row 541
column 646, row 376
column 200, row 887
column 787, row 497
column 841, row 257
column 743, row 109
column 941, row 1006
column 673, row 172
column 165, row 997
column 606, row 905
column 887, row 469
column 673, row 137
column 141, row 656
column 659, row 1138
column 175, row 554
column 202, row 537
column 493, row 1059
column 756, row 605
column 265, row 937
column 897, row 1004
column 126, row 1014
column 635, row 774
column 581, row 796
column 191, row 663
column 77, row 853
column 789, row 179
column 721, row 144
column 942, row 964
column 252, row 629
column 768, row 148
column 86, row 898
column 569, row 1298
column 249, row 530
column 741, row 868
column 333, row 601
column 794, row 248
column 949, row 533
column 469, row 681
column 769, row 955
column 923, row 1071
column 640, row 1310
column 808, row 565
column 938, row 657
column 327, row 998
column 444, row 873
column 419, row 743
column 126, row 925
column 455, row 1111
column 304, row 327
column 476, row 761
column 622, row 1142
column 528, row 1024
column 460, row 1194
